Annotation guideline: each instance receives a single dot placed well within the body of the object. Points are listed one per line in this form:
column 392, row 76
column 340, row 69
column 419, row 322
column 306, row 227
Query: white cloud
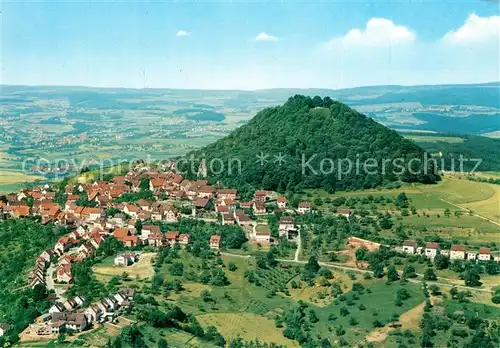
column 265, row 37
column 182, row 33
column 378, row 32
column 475, row 30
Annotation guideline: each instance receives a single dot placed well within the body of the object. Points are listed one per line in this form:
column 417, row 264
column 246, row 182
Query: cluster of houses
column 69, row 316
column 456, row 252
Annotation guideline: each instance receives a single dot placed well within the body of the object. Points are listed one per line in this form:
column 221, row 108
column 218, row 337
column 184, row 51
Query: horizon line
column 256, row 90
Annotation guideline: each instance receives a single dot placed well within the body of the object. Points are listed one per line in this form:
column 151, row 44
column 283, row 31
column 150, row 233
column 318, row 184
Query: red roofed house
column 410, row 247
column 260, row 196
column 184, row 239
column 345, row 213
column 171, row 237
column 131, row 241
column 281, row 202
column 457, row 252
column 431, row 250
column 20, row 211
column 263, row 237
column 155, row 239
column 484, row 254
column 63, row 273
column 227, row 193
column 215, row 242
column 64, row 244
column 91, row 214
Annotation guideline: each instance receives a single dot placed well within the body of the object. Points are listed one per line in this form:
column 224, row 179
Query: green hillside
column 310, row 134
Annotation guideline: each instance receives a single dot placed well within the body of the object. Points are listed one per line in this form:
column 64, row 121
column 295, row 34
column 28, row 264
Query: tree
column 311, row 269
column 471, row 277
column 385, row 222
column 409, row 271
column 430, row 274
column 232, row 266
column 162, row 343
column 176, row 269
column 441, row 261
column 403, row 294
column 61, row 338
column 392, row 274
column 401, row 200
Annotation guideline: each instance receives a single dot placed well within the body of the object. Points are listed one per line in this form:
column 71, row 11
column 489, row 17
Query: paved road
column 471, row 212
column 299, row 245
column 347, row 268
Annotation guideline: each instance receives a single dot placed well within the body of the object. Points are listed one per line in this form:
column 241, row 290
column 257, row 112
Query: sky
column 249, row 44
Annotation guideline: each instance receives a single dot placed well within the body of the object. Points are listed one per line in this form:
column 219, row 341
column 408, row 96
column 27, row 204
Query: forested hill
column 313, row 131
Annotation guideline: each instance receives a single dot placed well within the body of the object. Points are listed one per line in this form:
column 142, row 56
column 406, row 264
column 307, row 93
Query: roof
column 120, row 233
column 410, row 243
column 430, row 245
column 227, row 191
column 200, row 202
column 260, row 193
column 457, row 247
column 215, row 239
column 281, row 199
column 286, row 220
column 484, row 251
column 172, row 234
column 305, row 205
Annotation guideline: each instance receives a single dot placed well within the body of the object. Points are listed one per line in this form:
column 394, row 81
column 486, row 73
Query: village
column 172, row 197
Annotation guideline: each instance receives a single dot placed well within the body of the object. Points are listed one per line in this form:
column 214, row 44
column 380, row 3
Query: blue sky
column 249, row 45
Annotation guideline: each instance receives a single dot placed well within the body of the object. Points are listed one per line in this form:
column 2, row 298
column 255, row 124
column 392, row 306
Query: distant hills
column 296, row 145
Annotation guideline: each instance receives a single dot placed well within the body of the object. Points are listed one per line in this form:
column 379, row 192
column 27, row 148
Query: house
column 48, row 254
column 305, row 207
column 457, row 252
column 263, row 237
column 144, row 204
column 228, row 219
column 259, row 208
column 227, row 193
column 93, row 313
column 57, row 307
column 76, row 322
column 215, row 242
column 484, row 254
column 471, row 255
column 91, row 214
column 409, row 247
column 126, row 259
column 63, row 274
column 431, row 250
column 246, row 205
column 131, row 210
column 222, row 209
column 184, row 239
column 444, row 252
column 260, row 196
column 131, row 241
column 171, row 237
column 345, row 213
column 20, row 211
column 70, row 304
column 201, row 203
column 242, row 219
column 206, row 191
column 170, row 213
column 281, row 201
column 64, row 244
column 286, row 223
column 149, row 229
column 155, row 239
